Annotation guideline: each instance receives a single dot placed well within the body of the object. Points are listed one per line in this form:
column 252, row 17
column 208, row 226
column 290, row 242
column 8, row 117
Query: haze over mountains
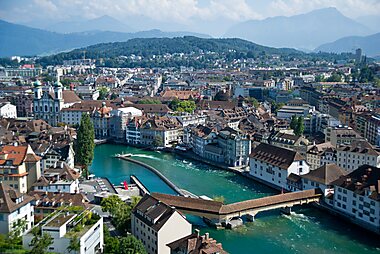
column 369, row 44
column 23, row 40
column 317, row 30
column 305, row 31
column 103, row 23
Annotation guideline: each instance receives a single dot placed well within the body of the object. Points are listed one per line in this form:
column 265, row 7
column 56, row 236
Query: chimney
column 197, row 232
column 207, row 235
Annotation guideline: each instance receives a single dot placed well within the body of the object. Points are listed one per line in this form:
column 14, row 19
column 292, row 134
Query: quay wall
column 155, row 171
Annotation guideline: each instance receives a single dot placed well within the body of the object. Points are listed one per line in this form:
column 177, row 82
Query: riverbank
column 155, row 171
column 306, row 230
column 192, row 156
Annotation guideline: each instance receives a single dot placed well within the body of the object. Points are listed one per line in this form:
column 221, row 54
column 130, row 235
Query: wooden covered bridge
column 219, row 212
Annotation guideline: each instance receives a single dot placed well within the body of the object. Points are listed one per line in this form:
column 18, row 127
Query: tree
column 40, row 242
column 135, row 200
column 253, row 102
column 158, row 141
column 17, row 229
column 119, row 210
column 174, row 103
column 113, row 96
column 74, row 245
column 85, row 143
column 334, row 78
column 294, row 122
column 131, row 245
column 182, row 106
column 103, row 93
column 300, row 127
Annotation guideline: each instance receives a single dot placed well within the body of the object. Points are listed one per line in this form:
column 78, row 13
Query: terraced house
column 14, row 207
column 19, row 167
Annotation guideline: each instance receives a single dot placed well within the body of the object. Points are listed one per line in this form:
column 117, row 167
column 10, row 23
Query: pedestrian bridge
column 219, row 212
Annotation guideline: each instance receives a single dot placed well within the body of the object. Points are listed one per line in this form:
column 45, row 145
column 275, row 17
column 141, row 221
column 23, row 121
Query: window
column 354, row 202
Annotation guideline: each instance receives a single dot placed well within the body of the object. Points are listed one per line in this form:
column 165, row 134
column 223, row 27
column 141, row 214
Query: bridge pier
column 286, row 210
column 250, row 217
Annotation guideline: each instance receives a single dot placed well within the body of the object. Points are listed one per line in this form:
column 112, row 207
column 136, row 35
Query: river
column 306, row 230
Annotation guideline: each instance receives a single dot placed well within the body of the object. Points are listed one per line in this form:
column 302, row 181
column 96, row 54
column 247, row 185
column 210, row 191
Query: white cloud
column 46, row 5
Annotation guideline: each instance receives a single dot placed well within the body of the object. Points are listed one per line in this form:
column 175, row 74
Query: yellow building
column 19, row 167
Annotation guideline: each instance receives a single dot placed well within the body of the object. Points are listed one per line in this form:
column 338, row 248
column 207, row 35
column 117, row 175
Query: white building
column 157, row 224
column 341, row 135
column 119, row 120
column 322, row 178
column 358, row 196
column 187, row 119
column 61, row 178
column 62, row 227
column 14, row 208
column 273, row 165
column 286, row 112
column 350, row 157
column 7, row 110
column 48, row 104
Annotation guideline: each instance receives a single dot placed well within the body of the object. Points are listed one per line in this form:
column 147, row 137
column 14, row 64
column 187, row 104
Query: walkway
column 160, row 175
column 214, row 210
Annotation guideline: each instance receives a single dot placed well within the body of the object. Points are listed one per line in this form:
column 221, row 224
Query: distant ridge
column 26, row 41
column 369, row 44
column 304, row 31
column 158, row 46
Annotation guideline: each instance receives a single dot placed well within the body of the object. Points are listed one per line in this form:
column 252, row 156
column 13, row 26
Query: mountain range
column 304, row 31
column 369, row 44
column 324, row 29
column 158, row 46
column 26, row 41
column 103, row 23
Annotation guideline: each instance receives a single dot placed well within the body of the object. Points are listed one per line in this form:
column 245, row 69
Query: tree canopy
column 119, row 210
column 85, row 145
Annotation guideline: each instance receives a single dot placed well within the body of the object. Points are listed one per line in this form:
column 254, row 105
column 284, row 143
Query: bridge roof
column 271, row 200
column 209, row 206
column 196, row 204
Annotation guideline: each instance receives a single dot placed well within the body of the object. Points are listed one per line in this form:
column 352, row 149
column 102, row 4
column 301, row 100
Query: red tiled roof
column 15, row 153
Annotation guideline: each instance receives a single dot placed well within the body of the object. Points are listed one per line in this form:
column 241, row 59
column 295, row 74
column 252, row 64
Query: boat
column 185, row 161
column 118, row 155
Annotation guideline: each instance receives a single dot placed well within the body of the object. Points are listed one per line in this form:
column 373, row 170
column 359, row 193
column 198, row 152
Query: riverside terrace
column 217, row 212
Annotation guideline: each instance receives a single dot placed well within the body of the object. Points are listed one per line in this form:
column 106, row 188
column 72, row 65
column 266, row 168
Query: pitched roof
column 70, row 96
column 15, row 153
column 153, row 108
column 77, row 199
column 361, row 179
column 275, row 156
column 325, row 174
column 153, row 212
column 195, row 244
column 8, row 197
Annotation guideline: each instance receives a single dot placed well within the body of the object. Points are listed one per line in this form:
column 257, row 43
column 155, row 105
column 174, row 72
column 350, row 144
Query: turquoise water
column 306, row 230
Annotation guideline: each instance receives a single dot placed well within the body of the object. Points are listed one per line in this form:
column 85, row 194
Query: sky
column 173, row 14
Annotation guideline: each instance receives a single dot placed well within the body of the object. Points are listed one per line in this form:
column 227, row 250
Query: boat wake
column 146, row 156
column 297, row 217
